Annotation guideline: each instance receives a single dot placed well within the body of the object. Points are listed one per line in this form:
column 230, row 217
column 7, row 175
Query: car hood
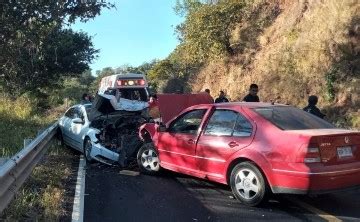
column 171, row 105
column 107, row 104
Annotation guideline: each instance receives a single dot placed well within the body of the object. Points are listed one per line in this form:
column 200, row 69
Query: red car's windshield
column 291, row 118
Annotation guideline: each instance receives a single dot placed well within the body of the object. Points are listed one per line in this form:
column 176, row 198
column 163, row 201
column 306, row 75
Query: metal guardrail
column 17, row 169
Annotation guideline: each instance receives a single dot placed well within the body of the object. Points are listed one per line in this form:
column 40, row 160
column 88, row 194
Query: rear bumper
column 286, row 190
column 295, row 182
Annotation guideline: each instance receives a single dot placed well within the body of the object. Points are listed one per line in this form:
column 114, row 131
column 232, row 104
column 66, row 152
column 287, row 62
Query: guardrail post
column 27, row 142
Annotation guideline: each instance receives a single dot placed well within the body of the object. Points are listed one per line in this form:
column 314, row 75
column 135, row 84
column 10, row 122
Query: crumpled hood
column 108, row 104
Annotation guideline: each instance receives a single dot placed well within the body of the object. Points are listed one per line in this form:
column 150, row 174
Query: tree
column 87, row 78
column 35, row 49
column 108, row 71
column 61, row 53
column 142, row 69
column 206, row 31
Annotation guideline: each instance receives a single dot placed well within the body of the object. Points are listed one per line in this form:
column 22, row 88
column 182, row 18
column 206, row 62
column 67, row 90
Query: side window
column 221, row 123
column 79, row 113
column 70, row 113
column 243, row 127
column 188, row 123
column 228, row 123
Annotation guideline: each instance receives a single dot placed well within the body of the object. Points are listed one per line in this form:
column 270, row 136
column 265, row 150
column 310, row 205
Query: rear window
column 291, row 118
column 139, row 94
column 134, row 94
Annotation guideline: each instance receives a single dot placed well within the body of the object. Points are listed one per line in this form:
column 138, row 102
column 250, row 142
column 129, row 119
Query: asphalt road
column 112, row 196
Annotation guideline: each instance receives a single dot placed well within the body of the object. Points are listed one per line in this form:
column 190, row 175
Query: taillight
column 310, row 154
column 119, row 82
column 141, row 82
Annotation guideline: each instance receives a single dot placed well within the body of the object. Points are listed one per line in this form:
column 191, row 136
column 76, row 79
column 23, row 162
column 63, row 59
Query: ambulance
column 132, row 86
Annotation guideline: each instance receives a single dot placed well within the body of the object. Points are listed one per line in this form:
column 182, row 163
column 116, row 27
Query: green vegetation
column 38, row 52
column 43, row 64
column 292, row 49
column 43, row 69
column 18, row 121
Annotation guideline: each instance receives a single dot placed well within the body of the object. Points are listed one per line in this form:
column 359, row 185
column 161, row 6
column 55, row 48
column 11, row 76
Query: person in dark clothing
column 221, row 98
column 208, row 92
column 311, row 107
column 252, row 96
column 85, row 99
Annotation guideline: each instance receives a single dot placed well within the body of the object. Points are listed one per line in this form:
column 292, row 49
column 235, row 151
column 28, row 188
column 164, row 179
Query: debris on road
column 129, row 173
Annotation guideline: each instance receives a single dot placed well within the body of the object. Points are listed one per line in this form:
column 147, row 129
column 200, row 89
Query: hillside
column 293, row 49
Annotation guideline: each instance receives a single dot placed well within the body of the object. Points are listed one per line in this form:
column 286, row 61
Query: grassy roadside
column 21, row 119
column 47, row 194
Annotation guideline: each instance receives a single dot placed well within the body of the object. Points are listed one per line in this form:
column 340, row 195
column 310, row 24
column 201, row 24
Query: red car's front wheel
column 248, row 184
column 148, row 159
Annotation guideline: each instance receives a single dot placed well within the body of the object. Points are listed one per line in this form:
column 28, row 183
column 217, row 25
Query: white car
column 103, row 132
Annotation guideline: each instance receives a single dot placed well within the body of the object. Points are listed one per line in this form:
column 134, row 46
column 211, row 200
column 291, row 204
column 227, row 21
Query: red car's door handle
column 190, row 141
column 233, row 144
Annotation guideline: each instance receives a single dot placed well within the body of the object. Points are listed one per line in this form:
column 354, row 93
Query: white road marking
column 316, row 211
column 78, row 206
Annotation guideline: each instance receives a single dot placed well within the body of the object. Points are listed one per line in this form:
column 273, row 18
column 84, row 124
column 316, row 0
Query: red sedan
column 256, row 148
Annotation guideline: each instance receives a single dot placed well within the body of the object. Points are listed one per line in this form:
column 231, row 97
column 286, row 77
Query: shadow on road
column 170, row 196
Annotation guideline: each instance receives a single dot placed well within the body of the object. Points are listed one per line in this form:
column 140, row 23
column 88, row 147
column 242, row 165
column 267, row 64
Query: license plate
column 344, row 152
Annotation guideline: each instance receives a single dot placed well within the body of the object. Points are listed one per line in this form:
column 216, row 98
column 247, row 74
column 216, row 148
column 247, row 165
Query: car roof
column 86, row 105
column 242, row 104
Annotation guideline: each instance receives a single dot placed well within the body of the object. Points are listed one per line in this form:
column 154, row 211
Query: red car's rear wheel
column 248, row 184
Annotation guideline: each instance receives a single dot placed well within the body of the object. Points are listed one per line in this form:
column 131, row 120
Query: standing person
column 154, row 111
column 311, row 107
column 85, row 99
column 153, row 101
column 208, row 92
column 221, row 98
column 252, row 96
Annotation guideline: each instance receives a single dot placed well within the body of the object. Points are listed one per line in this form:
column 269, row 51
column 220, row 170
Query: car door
column 226, row 132
column 77, row 130
column 177, row 145
column 65, row 125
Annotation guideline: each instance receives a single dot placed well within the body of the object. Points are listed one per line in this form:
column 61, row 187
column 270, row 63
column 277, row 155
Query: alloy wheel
column 247, row 184
column 150, row 160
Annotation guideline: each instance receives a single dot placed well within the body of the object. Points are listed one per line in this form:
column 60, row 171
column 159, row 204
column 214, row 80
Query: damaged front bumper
column 121, row 155
column 103, row 155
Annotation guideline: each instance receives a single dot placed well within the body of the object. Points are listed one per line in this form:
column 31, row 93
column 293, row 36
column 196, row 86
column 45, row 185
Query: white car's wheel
column 87, row 150
column 148, row 159
column 248, row 184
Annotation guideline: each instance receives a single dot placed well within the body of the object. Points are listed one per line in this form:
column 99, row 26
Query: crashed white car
column 107, row 129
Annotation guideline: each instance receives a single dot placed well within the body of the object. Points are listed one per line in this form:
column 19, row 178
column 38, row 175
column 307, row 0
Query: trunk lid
column 338, row 147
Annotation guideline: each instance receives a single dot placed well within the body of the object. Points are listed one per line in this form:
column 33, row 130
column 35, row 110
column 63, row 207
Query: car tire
column 248, row 184
column 87, row 150
column 148, row 159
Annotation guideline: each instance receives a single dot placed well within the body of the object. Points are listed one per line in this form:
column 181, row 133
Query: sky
column 137, row 31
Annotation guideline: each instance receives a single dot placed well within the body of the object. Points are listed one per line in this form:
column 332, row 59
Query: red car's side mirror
column 162, row 128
